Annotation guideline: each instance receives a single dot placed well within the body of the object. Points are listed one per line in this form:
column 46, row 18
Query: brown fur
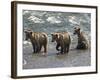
column 82, row 42
column 63, row 40
column 38, row 40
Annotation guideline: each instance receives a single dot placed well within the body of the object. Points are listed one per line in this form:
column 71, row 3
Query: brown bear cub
column 82, row 42
column 38, row 40
column 63, row 40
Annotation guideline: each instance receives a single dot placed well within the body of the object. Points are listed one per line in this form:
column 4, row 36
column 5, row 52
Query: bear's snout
column 52, row 40
column 74, row 33
column 26, row 39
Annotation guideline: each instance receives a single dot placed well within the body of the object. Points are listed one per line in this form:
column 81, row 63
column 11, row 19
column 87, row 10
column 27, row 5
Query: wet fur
column 82, row 42
column 63, row 40
column 38, row 40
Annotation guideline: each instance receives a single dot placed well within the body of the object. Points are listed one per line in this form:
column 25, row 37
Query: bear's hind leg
column 62, row 50
column 45, row 49
column 68, row 46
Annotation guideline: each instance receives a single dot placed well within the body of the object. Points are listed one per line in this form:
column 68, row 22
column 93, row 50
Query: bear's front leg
column 37, row 48
column 34, row 50
column 34, row 47
column 78, row 47
column 57, row 47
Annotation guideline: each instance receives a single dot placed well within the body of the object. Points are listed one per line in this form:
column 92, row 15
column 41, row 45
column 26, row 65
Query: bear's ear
column 57, row 36
column 78, row 29
column 51, row 34
column 25, row 31
column 75, row 28
column 30, row 32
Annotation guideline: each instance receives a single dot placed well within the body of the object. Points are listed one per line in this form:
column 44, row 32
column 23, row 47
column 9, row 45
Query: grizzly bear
column 38, row 40
column 82, row 42
column 33, row 40
column 63, row 40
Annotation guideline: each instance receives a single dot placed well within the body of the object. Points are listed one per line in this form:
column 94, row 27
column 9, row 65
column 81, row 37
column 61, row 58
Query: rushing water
column 49, row 22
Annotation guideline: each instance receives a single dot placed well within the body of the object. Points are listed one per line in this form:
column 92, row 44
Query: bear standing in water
column 82, row 42
column 63, row 40
column 38, row 40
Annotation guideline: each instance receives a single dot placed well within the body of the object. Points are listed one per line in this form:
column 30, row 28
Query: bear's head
column 28, row 34
column 55, row 36
column 76, row 30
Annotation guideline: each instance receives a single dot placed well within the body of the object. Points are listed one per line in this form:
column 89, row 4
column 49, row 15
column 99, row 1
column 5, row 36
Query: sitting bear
column 63, row 40
column 38, row 40
column 82, row 42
